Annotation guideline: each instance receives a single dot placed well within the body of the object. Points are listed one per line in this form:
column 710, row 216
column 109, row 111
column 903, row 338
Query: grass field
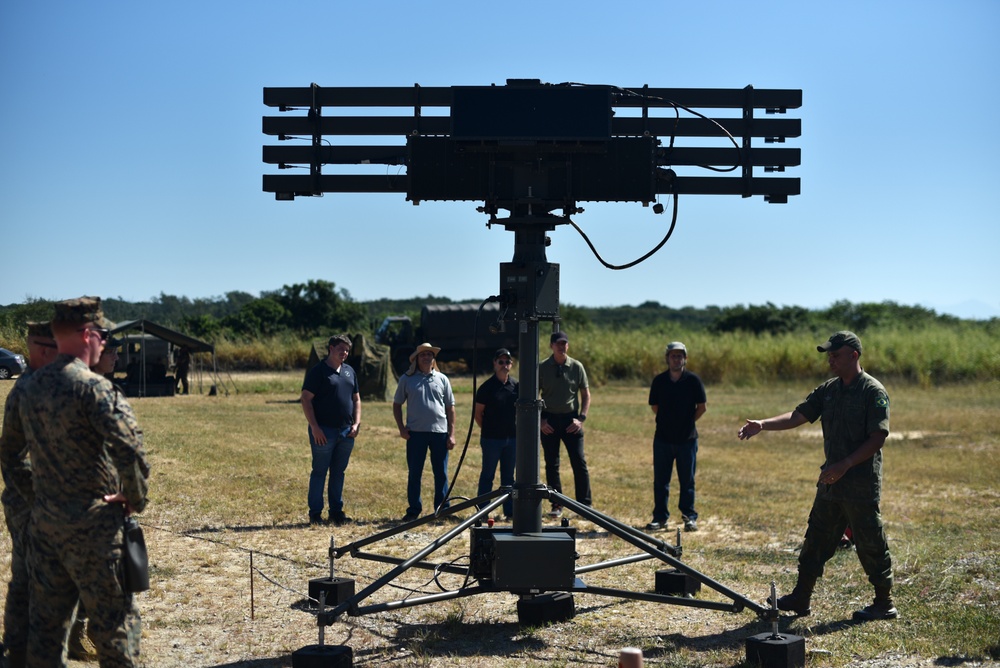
column 232, row 554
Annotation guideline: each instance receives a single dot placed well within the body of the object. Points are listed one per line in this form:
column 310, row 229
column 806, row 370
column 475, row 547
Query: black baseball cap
column 558, row 336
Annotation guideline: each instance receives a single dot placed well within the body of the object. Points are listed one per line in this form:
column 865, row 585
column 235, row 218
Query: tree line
column 318, row 307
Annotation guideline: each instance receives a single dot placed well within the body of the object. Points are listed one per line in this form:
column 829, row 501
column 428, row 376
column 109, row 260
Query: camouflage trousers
column 827, row 522
column 80, row 560
column 15, row 611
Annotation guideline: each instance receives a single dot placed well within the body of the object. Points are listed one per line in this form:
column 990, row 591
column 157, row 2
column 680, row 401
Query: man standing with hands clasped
column 854, row 409
column 677, row 398
column 562, row 382
column 331, row 403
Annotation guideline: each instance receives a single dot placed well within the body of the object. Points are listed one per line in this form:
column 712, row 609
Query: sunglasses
column 102, row 332
column 504, row 362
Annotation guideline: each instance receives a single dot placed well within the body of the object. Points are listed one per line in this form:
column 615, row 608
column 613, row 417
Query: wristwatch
column 582, row 418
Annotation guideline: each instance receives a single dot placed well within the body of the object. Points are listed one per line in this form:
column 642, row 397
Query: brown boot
column 881, row 608
column 79, row 646
column 798, row 601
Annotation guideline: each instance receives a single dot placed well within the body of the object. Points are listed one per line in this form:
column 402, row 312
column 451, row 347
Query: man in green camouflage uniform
column 88, row 470
column 17, row 513
column 854, row 409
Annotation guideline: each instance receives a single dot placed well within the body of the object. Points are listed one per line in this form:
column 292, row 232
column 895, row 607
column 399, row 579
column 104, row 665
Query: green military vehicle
column 451, row 327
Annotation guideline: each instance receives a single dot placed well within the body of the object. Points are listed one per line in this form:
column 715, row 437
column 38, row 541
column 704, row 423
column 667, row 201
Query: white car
column 11, row 364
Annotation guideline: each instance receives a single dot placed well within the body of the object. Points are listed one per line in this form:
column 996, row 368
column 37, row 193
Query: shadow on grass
column 458, row 639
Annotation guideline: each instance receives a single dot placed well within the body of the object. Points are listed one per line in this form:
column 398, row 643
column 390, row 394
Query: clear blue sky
column 131, row 149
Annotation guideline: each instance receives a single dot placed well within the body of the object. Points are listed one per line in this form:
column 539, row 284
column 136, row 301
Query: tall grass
column 926, row 356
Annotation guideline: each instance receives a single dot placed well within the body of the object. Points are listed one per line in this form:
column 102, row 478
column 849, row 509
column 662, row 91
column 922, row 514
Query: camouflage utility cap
column 41, row 330
column 839, row 340
column 79, row 311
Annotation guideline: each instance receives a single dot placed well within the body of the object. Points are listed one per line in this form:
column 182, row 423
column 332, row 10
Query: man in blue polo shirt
column 429, row 426
column 332, row 406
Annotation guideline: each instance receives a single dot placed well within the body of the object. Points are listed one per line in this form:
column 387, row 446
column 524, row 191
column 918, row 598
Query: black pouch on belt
column 135, row 561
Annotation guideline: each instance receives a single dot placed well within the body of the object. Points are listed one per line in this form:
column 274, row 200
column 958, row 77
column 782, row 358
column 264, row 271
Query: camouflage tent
column 376, row 379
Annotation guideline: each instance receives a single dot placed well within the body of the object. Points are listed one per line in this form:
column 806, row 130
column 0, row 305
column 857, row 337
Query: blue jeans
column 416, row 454
column 498, row 451
column 332, row 457
column 664, row 456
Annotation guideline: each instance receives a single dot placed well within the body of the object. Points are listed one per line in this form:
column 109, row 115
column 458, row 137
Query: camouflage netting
column 371, row 361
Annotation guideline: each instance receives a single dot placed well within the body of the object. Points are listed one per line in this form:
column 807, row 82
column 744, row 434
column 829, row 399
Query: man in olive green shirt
column 562, row 383
column 854, row 409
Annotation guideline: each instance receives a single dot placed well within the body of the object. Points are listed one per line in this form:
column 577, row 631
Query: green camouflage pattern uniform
column 849, row 415
column 17, row 513
column 84, row 444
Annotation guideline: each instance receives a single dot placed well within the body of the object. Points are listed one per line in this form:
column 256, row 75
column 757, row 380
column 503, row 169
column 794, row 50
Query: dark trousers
column 827, row 521
column 664, row 456
column 417, row 447
column 574, row 448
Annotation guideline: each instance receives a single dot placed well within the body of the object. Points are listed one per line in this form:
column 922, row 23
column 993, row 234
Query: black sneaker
column 340, row 519
column 880, row 609
column 409, row 517
column 690, row 524
column 316, row 519
column 654, row 526
column 555, row 512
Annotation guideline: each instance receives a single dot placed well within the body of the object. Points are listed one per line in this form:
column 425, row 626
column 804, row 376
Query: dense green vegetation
column 736, row 344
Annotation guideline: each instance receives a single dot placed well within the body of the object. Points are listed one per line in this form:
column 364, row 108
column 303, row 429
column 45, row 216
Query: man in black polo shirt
column 677, row 398
column 332, row 406
column 496, row 415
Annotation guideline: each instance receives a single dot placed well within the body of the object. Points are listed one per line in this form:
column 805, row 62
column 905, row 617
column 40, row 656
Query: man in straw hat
column 430, row 425
column 87, row 471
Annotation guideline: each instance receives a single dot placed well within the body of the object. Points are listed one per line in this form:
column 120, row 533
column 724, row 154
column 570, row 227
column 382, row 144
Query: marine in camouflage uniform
column 86, row 454
column 17, row 513
column 854, row 410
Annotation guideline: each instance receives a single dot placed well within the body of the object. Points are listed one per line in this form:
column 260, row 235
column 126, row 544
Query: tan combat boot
column 80, row 647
